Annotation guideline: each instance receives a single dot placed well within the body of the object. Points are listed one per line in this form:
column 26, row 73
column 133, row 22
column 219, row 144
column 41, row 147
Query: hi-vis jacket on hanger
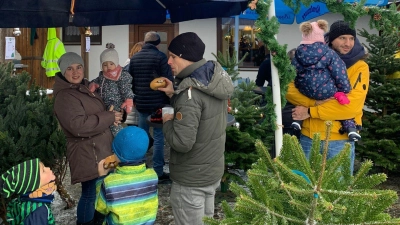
column 54, row 50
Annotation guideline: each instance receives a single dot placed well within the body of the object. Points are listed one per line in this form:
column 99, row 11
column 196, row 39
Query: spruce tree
column 381, row 121
column 251, row 122
column 28, row 127
column 290, row 189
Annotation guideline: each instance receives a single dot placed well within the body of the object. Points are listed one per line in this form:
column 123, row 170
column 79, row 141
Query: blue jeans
column 158, row 146
column 334, row 148
column 85, row 209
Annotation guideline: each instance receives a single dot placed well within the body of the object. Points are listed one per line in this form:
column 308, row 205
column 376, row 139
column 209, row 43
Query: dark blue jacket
column 146, row 65
column 320, row 71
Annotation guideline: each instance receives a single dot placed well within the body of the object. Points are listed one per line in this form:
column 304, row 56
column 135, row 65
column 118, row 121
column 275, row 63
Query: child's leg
column 115, row 129
column 350, row 127
column 296, row 124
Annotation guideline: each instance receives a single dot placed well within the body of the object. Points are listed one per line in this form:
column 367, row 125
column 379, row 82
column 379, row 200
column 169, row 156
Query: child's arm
column 101, row 203
column 94, row 84
column 39, row 216
column 339, row 73
column 125, row 88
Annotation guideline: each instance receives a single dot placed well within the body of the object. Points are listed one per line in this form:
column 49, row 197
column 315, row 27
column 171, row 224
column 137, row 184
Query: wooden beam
column 84, row 54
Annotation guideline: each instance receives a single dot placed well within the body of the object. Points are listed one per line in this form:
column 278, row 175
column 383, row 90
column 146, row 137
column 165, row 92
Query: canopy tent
column 44, row 13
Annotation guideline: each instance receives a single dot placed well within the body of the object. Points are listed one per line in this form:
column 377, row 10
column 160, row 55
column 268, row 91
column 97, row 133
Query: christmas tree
column 28, row 127
column 381, row 122
column 293, row 190
column 251, row 124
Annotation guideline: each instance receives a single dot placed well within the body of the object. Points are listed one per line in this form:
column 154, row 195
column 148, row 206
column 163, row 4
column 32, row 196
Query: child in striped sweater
column 128, row 195
column 34, row 184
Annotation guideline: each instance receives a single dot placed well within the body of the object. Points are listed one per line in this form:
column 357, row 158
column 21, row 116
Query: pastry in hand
column 110, row 162
column 158, row 83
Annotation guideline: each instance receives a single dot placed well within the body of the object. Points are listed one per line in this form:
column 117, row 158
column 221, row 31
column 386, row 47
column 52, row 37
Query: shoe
column 354, row 136
column 164, row 179
column 295, row 126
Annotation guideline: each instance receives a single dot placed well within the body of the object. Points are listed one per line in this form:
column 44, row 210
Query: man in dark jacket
column 146, row 65
column 196, row 133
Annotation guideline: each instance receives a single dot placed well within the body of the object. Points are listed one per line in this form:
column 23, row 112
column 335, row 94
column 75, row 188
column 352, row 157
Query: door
column 166, row 31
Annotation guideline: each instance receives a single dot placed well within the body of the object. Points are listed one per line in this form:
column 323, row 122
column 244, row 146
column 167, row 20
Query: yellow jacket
column 54, row 50
column 332, row 110
column 395, row 75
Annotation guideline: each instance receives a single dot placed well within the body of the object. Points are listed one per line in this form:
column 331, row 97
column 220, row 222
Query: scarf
column 356, row 53
column 113, row 74
column 20, row 208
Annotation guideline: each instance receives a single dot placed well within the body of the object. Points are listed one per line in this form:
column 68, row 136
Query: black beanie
column 188, row 46
column 338, row 28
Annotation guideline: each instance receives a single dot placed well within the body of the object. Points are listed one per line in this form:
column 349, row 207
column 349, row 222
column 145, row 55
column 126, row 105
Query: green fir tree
column 28, row 127
column 251, row 123
column 290, row 189
column 381, row 123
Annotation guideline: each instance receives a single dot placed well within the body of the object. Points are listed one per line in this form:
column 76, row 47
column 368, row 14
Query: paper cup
column 169, row 110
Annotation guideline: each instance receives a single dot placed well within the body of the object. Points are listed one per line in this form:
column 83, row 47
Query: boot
column 98, row 218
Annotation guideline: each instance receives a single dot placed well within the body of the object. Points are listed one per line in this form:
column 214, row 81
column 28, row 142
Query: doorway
column 166, row 31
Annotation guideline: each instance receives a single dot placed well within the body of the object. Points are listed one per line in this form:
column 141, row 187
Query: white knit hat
column 109, row 55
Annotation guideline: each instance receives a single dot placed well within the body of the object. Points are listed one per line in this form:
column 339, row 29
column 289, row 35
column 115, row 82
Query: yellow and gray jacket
column 54, row 50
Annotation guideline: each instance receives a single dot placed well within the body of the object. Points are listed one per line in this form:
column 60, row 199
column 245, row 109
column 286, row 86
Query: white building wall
column 118, row 35
column 206, row 29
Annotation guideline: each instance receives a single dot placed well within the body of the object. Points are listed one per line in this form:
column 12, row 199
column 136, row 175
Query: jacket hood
column 311, row 54
column 61, row 83
column 51, row 33
column 208, row 77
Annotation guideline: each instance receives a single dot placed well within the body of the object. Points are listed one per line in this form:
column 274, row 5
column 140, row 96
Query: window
column 248, row 42
column 72, row 36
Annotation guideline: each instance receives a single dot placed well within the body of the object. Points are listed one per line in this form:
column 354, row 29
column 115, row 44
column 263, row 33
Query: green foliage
column 240, row 151
column 28, row 127
column 230, row 63
column 293, row 190
column 381, row 124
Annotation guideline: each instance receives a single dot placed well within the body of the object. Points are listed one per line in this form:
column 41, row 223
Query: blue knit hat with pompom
column 130, row 144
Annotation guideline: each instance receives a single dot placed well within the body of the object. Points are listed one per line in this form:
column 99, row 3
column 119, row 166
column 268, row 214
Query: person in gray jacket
column 196, row 131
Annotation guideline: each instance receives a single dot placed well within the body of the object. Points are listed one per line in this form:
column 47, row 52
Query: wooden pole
column 84, row 54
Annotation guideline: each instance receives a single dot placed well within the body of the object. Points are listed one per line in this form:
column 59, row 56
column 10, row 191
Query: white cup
column 169, row 110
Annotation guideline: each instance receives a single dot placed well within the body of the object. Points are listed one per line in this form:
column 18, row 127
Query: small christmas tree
column 381, row 123
column 28, row 127
column 293, row 190
column 250, row 124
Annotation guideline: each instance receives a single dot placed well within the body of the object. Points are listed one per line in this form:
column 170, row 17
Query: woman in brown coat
column 85, row 122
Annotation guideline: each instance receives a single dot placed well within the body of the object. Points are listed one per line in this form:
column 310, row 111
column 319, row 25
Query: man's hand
column 167, row 117
column 300, row 113
column 169, row 89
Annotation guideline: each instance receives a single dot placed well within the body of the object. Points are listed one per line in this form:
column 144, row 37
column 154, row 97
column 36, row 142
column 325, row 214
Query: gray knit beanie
column 109, row 55
column 67, row 60
column 21, row 179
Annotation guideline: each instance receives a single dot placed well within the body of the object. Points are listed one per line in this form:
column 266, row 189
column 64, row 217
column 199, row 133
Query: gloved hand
column 341, row 98
column 93, row 86
column 127, row 105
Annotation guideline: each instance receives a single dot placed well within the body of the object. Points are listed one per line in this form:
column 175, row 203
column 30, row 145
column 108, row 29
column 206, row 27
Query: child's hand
column 93, row 87
column 101, row 170
column 127, row 105
column 341, row 98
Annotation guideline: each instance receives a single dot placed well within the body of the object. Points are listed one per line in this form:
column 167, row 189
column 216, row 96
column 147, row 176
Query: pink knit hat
column 313, row 32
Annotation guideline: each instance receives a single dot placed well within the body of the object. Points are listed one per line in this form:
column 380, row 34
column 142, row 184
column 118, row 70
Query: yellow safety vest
column 54, row 50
